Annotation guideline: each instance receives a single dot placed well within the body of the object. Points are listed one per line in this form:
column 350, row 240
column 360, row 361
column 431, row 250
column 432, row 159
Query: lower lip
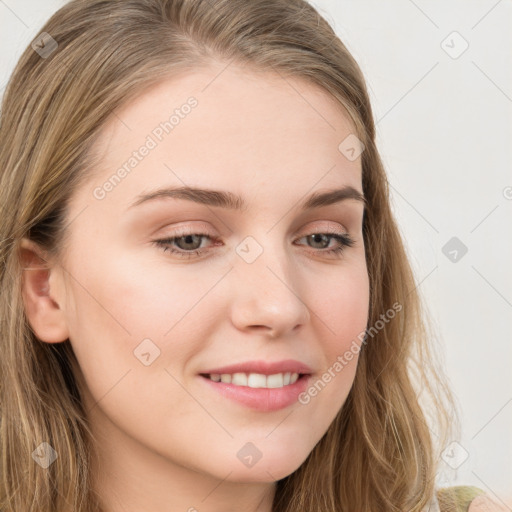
column 262, row 399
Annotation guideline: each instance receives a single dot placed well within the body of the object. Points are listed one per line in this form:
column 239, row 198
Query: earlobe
column 43, row 311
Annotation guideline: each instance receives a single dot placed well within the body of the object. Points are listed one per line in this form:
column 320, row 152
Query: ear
column 44, row 314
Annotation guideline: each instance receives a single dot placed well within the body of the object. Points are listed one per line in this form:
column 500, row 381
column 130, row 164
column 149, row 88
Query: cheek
column 130, row 296
column 343, row 307
column 120, row 302
column 120, row 312
column 341, row 315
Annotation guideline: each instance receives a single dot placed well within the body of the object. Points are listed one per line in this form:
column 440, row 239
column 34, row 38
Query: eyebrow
column 231, row 201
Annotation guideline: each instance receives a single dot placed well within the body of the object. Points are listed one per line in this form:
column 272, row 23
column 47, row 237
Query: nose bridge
column 263, row 259
column 267, row 293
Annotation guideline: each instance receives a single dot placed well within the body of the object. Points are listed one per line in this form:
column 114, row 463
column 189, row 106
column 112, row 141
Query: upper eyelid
column 327, row 226
column 204, row 233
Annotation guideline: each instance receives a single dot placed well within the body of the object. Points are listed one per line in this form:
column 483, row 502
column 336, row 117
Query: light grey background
column 445, row 135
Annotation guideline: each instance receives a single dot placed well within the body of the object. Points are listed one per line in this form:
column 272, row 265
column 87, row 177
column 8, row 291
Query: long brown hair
column 381, row 451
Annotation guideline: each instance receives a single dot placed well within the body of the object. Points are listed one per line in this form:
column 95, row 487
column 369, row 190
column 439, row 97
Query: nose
column 266, row 295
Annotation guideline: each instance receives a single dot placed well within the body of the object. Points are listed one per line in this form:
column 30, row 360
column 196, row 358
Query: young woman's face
column 147, row 323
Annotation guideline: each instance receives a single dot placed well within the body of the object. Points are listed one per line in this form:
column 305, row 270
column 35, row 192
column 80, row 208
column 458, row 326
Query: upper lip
column 263, row 367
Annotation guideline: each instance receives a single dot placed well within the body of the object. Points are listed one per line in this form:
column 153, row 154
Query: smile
column 255, row 380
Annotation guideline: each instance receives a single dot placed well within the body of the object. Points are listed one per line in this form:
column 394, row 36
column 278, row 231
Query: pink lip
column 263, row 367
column 261, row 399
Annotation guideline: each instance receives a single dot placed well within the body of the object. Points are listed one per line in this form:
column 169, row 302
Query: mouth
column 259, row 392
column 256, row 380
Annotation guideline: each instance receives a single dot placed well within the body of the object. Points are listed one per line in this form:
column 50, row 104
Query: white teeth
column 239, row 379
column 275, row 381
column 256, row 380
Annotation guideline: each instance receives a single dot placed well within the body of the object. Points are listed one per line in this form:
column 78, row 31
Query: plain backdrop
column 440, row 79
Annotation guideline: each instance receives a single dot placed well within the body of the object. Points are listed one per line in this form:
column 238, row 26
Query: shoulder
column 485, row 503
column 465, row 498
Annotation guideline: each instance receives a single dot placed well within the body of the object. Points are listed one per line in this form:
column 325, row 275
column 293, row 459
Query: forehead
column 225, row 125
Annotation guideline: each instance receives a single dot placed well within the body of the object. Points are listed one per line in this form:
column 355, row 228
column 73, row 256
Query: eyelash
column 343, row 238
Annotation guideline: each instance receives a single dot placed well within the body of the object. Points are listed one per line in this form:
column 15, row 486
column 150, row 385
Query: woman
column 254, row 370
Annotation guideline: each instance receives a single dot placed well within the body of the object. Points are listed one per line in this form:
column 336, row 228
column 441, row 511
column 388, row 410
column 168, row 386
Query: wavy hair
column 381, row 452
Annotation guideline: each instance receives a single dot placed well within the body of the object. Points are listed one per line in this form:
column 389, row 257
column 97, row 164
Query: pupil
column 315, row 239
column 189, row 239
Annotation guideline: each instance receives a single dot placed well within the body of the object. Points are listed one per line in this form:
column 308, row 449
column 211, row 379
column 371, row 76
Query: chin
column 271, row 467
column 260, row 473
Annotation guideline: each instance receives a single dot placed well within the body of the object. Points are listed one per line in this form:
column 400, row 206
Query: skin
column 165, row 440
column 486, row 504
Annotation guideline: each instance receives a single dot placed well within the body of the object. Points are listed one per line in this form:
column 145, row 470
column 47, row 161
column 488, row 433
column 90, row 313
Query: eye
column 189, row 243
column 343, row 239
